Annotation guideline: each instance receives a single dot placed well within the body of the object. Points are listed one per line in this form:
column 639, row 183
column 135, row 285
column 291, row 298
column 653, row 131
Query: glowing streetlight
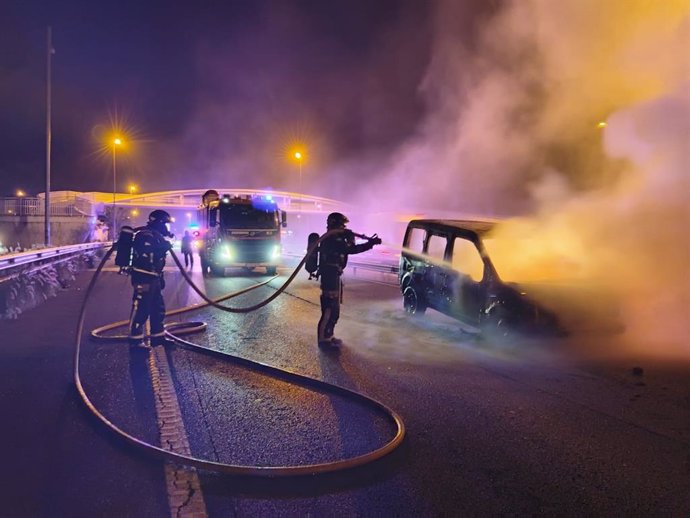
column 116, row 142
column 132, row 189
column 601, row 125
column 20, row 193
column 299, row 157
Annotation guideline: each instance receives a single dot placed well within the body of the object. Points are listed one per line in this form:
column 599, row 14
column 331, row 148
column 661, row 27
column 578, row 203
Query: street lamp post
column 298, row 157
column 117, row 141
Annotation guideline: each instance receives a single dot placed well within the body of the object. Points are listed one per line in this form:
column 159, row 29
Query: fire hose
column 175, row 330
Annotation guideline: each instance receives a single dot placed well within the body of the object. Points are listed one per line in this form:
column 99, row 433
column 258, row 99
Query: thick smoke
column 524, row 99
column 333, row 80
column 514, row 130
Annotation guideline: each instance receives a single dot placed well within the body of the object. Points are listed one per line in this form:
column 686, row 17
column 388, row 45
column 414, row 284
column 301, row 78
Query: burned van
column 444, row 265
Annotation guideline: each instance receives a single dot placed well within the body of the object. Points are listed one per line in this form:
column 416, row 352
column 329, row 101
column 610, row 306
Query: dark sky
column 210, row 92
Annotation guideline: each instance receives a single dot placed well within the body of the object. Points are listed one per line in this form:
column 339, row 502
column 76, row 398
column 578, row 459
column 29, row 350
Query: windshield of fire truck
column 246, row 216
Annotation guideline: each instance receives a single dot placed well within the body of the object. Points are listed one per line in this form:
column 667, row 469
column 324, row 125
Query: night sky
column 210, row 92
column 488, row 107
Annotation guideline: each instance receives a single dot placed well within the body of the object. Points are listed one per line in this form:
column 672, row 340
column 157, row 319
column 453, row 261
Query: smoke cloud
column 514, row 130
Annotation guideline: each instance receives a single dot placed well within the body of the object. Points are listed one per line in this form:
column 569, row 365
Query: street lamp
column 298, row 156
column 132, row 189
column 117, row 142
column 20, row 193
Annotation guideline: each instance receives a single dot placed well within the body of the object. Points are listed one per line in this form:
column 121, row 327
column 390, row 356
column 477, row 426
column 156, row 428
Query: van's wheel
column 412, row 302
column 405, row 282
column 271, row 270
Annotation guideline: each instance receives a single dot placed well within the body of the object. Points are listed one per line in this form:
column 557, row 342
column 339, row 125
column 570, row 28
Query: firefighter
column 148, row 260
column 333, row 252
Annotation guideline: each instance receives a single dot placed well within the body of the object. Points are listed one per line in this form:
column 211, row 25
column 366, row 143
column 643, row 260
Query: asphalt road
column 493, row 429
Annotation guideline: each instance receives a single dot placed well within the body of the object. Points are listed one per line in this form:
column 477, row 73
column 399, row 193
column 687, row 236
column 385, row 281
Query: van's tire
column 405, row 282
column 413, row 302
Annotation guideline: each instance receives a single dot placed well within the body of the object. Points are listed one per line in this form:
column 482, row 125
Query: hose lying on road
column 176, row 330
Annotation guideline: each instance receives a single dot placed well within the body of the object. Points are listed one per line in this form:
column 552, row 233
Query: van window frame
column 476, row 242
column 408, row 236
column 439, row 233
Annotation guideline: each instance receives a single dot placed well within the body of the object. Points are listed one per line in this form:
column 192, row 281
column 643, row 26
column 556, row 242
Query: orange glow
column 117, row 141
column 602, row 125
column 20, row 193
column 298, row 155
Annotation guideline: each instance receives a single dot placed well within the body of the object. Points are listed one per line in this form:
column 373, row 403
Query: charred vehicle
column 446, row 265
column 239, row 232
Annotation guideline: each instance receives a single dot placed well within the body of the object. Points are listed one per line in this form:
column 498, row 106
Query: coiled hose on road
column 176, row 330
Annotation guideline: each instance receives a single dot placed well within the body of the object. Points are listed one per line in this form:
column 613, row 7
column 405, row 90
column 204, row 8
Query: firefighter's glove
column 375, row 240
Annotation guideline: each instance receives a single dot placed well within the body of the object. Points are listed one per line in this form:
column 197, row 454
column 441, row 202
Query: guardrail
column 11, row 261
column 364, row 265
column 374, row 267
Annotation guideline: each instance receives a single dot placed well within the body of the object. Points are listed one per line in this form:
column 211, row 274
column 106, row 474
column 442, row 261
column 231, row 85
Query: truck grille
column 253, row 251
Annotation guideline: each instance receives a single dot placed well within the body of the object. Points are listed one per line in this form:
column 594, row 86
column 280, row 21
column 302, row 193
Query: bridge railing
column 33, row 206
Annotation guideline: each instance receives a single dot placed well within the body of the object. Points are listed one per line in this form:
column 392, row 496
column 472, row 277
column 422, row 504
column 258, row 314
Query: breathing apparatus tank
column 123, row 259
column 312, row 264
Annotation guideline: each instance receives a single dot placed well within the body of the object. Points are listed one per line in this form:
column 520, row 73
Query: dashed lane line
column 184, row 488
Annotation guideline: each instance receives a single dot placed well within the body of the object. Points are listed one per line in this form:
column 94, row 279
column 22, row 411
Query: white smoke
column 514, row 129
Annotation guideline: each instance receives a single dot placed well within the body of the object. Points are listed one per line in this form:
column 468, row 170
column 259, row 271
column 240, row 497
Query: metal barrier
column 353, row 265
column 11, row 261
column 374, row 267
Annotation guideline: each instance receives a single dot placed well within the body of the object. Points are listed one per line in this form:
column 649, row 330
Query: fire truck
column 239, row 232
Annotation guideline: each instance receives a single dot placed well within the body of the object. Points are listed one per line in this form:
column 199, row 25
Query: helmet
column 336, row 220
column 158, row 220
column 159, row 216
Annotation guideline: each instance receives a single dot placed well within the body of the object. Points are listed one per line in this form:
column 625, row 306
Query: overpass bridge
column 72, row 203
column 190, row 199
column 74, row 214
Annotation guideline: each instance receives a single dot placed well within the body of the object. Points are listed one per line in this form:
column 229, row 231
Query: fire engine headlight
column 275, row 253
column 226, row 253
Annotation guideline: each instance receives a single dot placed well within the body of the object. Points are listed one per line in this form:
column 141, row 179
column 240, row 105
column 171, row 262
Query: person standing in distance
column 333, row 253
column 186, row 249
column 149, row 250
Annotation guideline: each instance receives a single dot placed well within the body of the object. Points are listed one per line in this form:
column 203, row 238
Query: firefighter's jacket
column 333, row 252
column 148, row 255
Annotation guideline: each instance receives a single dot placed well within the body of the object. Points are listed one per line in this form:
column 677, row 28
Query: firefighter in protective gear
column 333, row 252
column 148, row 260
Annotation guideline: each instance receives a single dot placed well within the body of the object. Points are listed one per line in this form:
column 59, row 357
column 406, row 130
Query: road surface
column 493, row 429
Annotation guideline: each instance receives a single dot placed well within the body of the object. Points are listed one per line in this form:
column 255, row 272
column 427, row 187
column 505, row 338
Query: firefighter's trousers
column 331, row 298
column 147, row 304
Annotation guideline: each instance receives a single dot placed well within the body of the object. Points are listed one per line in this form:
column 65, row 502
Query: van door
column 467, row 291
column 437, row 271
